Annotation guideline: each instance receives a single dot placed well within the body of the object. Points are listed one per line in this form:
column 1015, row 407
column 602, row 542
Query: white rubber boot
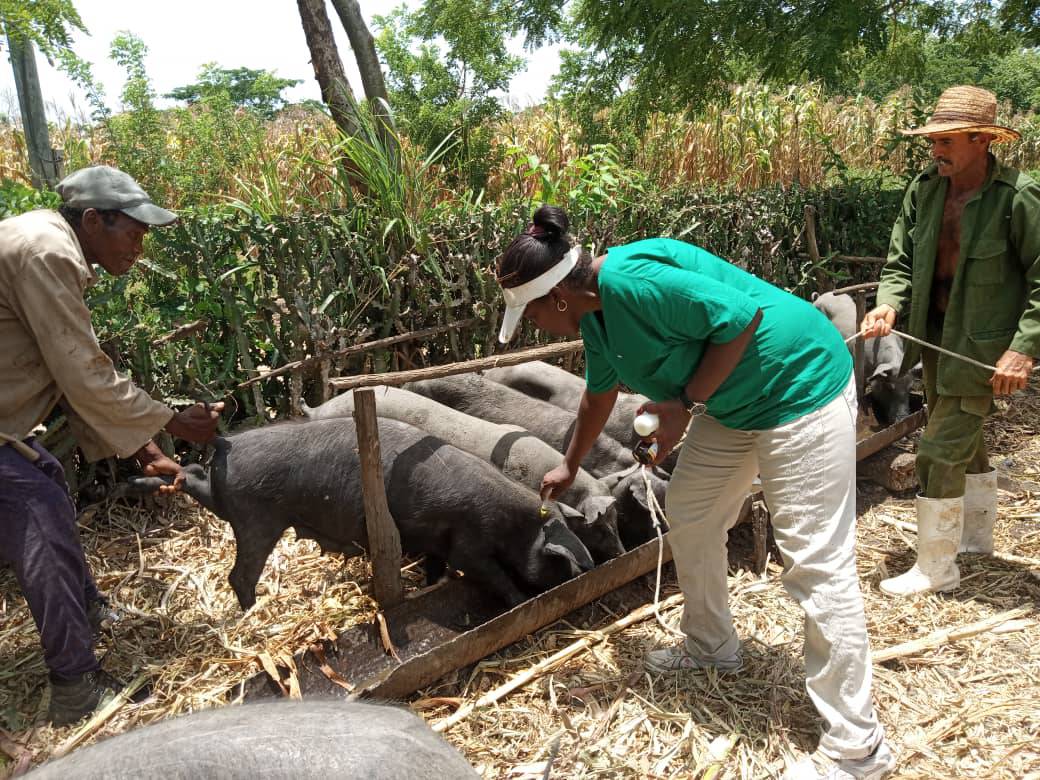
column 939, row 525
column 980, row 512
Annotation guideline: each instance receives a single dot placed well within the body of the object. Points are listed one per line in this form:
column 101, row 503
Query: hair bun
column 552, row 221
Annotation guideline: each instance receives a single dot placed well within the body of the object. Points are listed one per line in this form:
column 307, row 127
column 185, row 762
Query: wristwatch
column 692, row 407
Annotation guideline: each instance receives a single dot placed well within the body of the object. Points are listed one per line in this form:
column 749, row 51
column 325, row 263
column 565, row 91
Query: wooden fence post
column 858, row 347
column 823, row 281
column 384, row 541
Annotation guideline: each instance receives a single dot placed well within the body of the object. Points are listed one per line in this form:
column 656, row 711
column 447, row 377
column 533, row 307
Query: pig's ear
column 561, row 541
column 596, row 506
column 885, row 371
column 569, row 511
column 637, row 487
column 815, row 295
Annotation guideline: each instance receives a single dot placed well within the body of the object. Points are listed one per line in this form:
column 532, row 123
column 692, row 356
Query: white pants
column 808, row 471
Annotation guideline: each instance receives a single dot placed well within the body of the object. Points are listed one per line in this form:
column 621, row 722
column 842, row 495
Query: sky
column 182, row 36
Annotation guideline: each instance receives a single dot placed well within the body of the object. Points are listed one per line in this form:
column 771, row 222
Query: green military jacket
column 995, row 298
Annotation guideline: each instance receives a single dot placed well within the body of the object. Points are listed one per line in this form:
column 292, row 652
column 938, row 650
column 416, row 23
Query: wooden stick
column 365, row 347
column 854, row 259
column 855, row 288
column 546, row 664
column 183, row 332
column 384, row 541
column 1019, row 559
column 947, row 635
column 482, row 364
column 1000, row 556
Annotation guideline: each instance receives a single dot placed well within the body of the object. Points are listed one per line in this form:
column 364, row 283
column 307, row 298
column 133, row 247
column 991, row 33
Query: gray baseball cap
column 106, row 188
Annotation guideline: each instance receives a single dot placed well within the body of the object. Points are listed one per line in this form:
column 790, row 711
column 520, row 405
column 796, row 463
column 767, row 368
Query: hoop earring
column 561, row 305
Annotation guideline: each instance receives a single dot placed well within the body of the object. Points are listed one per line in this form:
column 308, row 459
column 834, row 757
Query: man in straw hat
column 963, row 273
column 49, row 354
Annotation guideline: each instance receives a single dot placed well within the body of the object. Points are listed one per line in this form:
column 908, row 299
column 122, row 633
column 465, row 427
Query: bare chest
column 949, row 249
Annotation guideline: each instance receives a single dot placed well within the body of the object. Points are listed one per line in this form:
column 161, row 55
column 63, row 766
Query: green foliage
column 186, row 155
column 137, row 134
column 646, row 56
column 588, row 186
column 678, row 54
column 278, row 288
column 978, row 52
column 259, row 91
column 443, row 63
column 16, row 198
column 47, row 23
column 50, row 25
column 1022, row 16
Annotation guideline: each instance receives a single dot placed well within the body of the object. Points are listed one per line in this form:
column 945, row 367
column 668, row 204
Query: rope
column 657, row 515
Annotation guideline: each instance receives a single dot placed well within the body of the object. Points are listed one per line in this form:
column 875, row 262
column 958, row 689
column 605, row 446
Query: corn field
column 758, row 138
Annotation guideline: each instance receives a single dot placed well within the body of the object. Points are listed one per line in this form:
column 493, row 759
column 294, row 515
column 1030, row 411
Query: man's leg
column 710, row 482
column 808, row 473
column 41, row 541
column 950, row 447
column 952, row 444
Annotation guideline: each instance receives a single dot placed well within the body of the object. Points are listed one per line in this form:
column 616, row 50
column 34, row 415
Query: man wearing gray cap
column 50, row 355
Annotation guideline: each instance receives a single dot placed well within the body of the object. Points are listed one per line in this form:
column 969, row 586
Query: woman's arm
column 593, row 412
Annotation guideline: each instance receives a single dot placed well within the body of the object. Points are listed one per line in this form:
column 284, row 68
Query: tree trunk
column 44, row 162
column 328, row 68
column 364, row 47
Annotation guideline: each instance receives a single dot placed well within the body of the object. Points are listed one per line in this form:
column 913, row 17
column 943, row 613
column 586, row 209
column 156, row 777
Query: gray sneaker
column 677, row 659
column 877, row 765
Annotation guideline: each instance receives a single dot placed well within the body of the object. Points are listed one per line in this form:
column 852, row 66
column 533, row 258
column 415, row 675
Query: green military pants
column 951, row 445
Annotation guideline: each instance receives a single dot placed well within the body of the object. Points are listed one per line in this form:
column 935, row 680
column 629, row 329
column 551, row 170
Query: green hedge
column 275, row 290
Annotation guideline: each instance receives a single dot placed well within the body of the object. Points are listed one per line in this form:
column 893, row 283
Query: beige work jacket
column 48, row 350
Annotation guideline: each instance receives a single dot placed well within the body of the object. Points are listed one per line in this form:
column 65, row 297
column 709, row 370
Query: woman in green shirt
column 760, row 383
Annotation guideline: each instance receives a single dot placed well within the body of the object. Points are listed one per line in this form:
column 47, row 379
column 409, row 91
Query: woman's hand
column 674, row 421
column 556, row 482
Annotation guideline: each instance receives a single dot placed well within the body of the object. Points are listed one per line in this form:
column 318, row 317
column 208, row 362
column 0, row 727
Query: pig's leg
column 252, row 546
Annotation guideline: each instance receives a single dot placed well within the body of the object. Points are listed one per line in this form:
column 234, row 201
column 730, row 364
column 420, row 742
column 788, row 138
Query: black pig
column 447, row 504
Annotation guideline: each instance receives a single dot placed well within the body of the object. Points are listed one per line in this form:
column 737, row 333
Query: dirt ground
column 968, row 707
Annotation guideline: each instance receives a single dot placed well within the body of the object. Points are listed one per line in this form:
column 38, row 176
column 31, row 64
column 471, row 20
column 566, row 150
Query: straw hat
column 965, row 110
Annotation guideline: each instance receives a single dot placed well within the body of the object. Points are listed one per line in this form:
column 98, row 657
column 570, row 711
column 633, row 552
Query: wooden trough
column 420, row 637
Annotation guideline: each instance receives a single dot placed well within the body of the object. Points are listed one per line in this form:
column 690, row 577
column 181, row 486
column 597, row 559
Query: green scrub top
column 664, row 301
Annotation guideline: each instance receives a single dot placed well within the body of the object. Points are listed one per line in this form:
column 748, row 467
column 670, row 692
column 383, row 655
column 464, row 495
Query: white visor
column 517, row 298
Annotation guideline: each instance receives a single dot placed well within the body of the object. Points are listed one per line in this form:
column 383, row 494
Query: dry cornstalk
column 547, row 664
column 947, row 635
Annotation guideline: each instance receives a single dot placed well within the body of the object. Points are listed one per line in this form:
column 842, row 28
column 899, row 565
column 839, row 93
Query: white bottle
column 645, row 424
